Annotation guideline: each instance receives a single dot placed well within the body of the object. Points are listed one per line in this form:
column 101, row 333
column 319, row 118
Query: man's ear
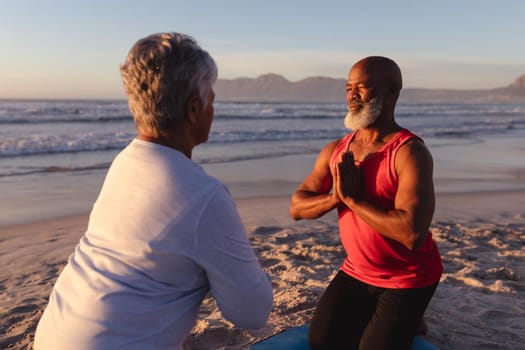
column 193, row 108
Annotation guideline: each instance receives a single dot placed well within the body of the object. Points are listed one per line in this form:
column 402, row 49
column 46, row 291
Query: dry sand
column 479, row 304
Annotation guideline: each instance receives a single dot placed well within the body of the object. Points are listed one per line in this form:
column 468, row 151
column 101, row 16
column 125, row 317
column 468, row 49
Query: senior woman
column 162, row 233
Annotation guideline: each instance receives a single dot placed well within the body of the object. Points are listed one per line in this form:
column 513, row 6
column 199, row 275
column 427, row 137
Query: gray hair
column 162, row 71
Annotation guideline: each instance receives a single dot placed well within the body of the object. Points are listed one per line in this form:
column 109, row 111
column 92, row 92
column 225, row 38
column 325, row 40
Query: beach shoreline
column 461, row 207
column 462, row 167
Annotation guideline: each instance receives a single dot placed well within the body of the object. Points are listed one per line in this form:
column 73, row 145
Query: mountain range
column 276, row 88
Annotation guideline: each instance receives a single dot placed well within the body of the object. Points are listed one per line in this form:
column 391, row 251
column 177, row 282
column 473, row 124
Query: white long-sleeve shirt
column 161, row 235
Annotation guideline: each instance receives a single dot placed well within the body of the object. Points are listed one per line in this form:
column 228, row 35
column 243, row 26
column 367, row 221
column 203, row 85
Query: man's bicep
column 416, row 188
column 316, row 182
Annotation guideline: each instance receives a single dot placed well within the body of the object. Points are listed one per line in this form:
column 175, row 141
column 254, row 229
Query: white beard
column 366, row 116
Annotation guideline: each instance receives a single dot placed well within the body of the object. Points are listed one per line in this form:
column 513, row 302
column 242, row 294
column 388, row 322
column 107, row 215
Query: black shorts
column 354, row 315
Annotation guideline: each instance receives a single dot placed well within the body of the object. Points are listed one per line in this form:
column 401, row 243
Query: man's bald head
column 383, row 72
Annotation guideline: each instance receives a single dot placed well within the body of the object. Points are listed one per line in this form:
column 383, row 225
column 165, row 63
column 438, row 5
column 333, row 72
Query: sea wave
column 129, row 119
column 65, row 136
column 279, row 116
column 35, row 112
column 36, row 144
column 64, row 119
column 104, row 139
column 50, row 144
column 201, row 158
column 53, row 169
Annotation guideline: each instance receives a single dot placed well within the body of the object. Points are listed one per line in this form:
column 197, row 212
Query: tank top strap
column 392, row 147
column 401, row 138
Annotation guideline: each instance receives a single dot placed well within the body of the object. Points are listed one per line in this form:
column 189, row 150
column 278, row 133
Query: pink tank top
column 371, row 257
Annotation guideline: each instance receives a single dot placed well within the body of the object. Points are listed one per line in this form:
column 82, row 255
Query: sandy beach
column 479, row 304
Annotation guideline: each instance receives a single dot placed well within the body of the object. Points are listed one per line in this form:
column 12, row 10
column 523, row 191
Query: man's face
column 365, row 115
column 364, row 103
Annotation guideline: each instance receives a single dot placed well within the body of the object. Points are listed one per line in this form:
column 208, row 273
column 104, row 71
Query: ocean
column 44, row 142
column 70, row 136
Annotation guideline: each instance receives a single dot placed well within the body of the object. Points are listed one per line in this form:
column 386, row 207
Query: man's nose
column 352, row 94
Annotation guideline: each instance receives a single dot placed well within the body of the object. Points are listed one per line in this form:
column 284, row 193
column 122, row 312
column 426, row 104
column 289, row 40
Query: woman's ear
column 193, row 108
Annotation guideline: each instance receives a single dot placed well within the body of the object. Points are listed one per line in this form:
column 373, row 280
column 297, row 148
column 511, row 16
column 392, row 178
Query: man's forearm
column 310, row 205
column 396, row 224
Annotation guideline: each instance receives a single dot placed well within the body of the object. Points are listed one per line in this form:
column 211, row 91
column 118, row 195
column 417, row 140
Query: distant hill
column 274, row 87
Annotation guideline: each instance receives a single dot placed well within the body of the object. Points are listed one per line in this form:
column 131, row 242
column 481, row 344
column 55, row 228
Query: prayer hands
column 348, row 178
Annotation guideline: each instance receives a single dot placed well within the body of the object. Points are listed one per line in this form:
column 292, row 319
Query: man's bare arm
column 312, row 199
column 414, row 204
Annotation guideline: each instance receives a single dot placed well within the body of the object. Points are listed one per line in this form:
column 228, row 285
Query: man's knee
column 330, row 339
column 318, row 340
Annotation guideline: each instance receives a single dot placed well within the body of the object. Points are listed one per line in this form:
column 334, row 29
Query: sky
column 73, row 49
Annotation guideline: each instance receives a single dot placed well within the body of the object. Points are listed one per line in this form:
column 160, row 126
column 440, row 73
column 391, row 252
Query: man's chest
column 362, row 152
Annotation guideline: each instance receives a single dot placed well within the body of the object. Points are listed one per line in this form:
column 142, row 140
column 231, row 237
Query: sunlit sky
column 73, row 49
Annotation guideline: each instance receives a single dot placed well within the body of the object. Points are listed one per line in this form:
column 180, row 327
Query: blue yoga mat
column 296, row 338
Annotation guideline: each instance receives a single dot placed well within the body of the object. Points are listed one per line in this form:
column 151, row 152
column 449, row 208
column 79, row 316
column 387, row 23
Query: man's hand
column 347, row 182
